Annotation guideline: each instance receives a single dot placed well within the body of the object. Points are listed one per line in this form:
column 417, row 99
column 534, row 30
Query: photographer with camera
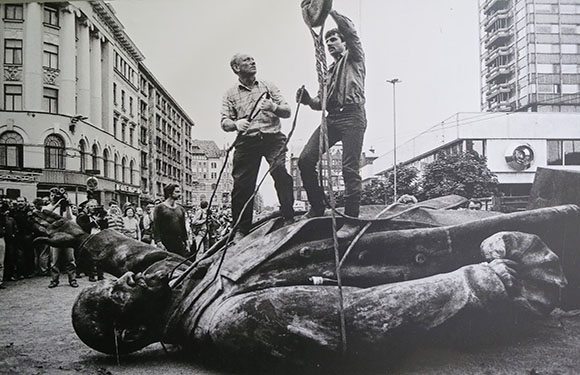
column 93, row 219
column 60, row 204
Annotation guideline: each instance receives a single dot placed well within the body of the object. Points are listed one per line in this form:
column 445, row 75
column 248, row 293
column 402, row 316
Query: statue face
column 121, row 315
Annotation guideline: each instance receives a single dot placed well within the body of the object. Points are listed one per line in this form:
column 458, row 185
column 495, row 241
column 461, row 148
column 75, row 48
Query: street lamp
column 394, row 82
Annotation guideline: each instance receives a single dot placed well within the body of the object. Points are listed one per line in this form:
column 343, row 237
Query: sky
column 432, row 46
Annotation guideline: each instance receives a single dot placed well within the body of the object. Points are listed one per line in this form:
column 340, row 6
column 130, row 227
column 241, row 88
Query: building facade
column 530, row 55
column 515, row 145
column 78, row 101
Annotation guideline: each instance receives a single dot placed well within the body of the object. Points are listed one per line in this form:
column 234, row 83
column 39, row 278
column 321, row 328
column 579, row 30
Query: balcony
column 503, row 14
column 494, row 5
column 498, row 37
column 493, row 55
column 499, row 71
column 496, row 89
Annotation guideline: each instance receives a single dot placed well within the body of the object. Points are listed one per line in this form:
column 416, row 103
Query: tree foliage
column 465, row 174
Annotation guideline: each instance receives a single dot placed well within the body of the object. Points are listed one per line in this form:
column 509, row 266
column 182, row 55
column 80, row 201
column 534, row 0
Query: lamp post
column 394, row 82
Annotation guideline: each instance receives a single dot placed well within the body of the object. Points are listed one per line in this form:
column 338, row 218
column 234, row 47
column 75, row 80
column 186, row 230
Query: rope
column 323, row 146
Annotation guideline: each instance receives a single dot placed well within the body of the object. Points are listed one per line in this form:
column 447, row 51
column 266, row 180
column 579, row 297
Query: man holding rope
column 346, row 120
column 253, row 108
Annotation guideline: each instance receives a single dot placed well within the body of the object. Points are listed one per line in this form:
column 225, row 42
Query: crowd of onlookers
column 22, row 257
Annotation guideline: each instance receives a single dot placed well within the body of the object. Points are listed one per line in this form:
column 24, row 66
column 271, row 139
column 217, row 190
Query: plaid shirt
column 239, row 101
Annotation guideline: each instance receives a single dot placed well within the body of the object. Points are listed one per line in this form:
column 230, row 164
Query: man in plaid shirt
column 253, row 108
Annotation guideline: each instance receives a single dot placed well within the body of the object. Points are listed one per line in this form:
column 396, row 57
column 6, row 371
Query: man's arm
column 351, row 38
column 277, row 104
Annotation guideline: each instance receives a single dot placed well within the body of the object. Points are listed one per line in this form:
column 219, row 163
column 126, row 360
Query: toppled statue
column 410, row 273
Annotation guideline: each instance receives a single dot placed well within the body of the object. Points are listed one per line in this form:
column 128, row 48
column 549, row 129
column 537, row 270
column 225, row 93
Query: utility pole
column 394, row 82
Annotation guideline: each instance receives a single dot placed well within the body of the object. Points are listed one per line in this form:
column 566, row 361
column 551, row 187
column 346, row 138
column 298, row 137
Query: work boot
column 73, row 283
column 53, row 284
column 312, row 213
column 347, row 231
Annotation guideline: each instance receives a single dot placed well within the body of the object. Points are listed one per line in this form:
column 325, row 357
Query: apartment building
column 530, row 55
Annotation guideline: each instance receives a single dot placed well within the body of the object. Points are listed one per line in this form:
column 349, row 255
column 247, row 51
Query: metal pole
column 394, row 82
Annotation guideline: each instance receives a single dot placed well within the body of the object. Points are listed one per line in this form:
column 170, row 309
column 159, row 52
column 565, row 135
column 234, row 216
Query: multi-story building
column 530, row 55
column 205, row 161
column 78, row 102
column 165, row 140
column 57, row 117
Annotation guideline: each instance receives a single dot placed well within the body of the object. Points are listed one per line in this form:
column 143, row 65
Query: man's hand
column 506, row 270
column 57, row 231
column 242, row 125
column 303, row 96
column 268, row 105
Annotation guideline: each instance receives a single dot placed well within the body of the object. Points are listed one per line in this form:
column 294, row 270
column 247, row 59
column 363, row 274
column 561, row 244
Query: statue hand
column 57, row 231
column 506, row 270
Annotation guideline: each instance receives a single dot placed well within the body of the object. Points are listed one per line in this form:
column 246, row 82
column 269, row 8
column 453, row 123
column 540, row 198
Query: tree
column 465, row 174
column 381, row 191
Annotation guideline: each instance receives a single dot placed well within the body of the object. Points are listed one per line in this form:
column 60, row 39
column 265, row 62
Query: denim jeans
column 348, row 126
column 246, row 164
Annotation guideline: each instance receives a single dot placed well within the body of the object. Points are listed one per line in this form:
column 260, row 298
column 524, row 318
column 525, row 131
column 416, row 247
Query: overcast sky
column 431, row 45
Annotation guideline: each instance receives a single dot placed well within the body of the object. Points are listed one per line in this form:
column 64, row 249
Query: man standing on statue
column 253, row 108
column 346, row 121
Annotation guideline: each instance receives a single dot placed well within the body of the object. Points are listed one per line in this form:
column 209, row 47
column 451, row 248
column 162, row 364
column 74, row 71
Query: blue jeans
column 246, row 164
column 348, row 126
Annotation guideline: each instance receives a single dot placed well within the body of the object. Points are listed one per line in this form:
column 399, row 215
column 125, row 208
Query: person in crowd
column 346, row 121
column 93, row 219
column 114, row 216
column 169, row 232
column 199, row 228
column 146, row 224
column 24, row 244
column 253, row 108
column 5, row 238
column 131, row 224
column 60, row 204
column 42, row 251
column 474, row 204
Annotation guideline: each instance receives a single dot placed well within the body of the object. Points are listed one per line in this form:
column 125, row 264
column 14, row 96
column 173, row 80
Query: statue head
column 123, row 315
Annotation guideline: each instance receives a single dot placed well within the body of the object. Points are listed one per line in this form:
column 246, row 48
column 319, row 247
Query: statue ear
column 135, row 334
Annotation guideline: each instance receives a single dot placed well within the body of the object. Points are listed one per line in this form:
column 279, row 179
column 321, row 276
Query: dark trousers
column 246, row 164
column 349, row 127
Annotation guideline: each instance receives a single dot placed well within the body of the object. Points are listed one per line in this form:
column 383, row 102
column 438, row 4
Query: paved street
column 36, row 337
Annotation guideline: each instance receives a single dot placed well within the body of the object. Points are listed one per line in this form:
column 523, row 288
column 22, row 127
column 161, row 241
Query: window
column 114, row 93
column 116, row 168
column 569, row 48
column 13, row 51
column 564, row 152
column 570, row 68
column 570, row 89
column 95, row 157
column 131, row 171
column 131, row 106
column 124, row 170
column 50, row 56
column 123, row 100
column 50, row 16
column 115, row 125
column 131, row 135
column 11, row 150
column 83, row 155
column 13, row 12
column 12, row 97
column 106, row 163
column 50, row 100
column 123, row 132
column 54, row 152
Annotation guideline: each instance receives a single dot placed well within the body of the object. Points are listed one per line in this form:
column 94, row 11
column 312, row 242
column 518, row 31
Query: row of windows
column 564, row 152
column 13, row 53
column 123, row 100
column 12, row 155
column 554, row 8
column 13, row 99
column 15, row 12
column 123, row 67
column 123, row 134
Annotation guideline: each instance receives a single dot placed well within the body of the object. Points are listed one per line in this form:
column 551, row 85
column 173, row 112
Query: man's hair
column 334, row 31
column 203, row 204
column 38, row 202
column 55, row 190
column 235, row 60
column 169, row 189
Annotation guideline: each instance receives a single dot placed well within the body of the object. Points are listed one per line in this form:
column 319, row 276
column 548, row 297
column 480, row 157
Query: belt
column 346, row 107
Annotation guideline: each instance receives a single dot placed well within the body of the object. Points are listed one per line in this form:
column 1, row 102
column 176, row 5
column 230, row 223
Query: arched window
column 11, row 150
column 83, row 155
column 131, row 172
column 124, row 170
column 106, row 163
column 95, row 157
column 54, row 152
column 116, row 168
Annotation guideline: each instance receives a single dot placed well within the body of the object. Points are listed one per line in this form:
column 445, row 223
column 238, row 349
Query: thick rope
column 323, row 147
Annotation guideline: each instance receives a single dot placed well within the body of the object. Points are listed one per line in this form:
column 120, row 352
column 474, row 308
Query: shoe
column 53, row 284
column 74, row 283
column 13, row 278
column 312, row 213
column 347, row 231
